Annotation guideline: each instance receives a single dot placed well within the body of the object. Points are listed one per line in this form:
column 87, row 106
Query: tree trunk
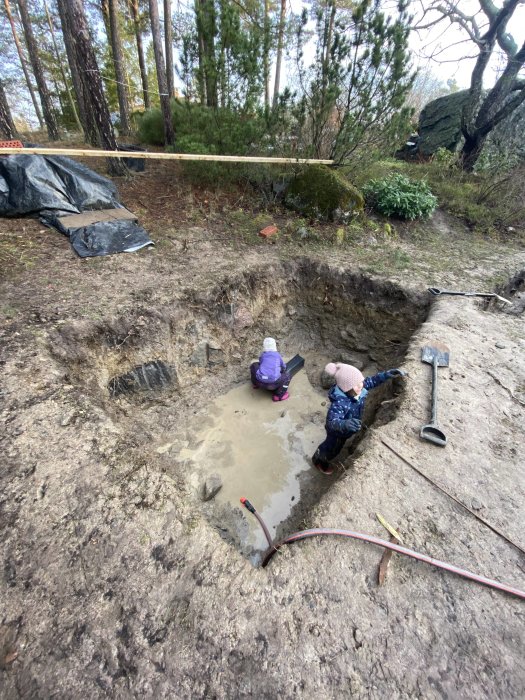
column 169, row 134
column 482, row 112
column 104, row 9
column 23, row 63
column 134, row 5
column 200, row 42
column 116, row 49
column 92, row 83
column 278, row 60
column 62, row 71
column 328, row 49
column 266, row 55
column 206, row 26
column 86, row 118
column 45, row 97
column 168, row 43
column 471, row 151
column 7, row 126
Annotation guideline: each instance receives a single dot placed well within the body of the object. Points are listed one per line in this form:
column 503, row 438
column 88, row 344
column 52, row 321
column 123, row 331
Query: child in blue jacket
column 270, row 372
column 347, row 399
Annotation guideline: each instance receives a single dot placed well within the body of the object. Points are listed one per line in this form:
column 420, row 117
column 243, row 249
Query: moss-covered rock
column 440, row 123
column 323, row 192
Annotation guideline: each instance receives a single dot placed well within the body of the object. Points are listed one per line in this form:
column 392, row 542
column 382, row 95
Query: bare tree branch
column 505, row 40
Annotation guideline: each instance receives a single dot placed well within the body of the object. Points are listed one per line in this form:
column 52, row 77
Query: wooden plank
column 95, row 153
column 92, row 217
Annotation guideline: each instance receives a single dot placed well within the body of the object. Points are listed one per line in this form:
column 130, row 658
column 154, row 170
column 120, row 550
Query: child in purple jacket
column 270, row 372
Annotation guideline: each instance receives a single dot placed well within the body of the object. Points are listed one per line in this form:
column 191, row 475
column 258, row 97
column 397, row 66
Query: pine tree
column 93, row 89
column 45, row 97
column 7, row 126
column 169, row 133
column 23, row 63
column 116, row 50
column 138, row 29
column 360, row 78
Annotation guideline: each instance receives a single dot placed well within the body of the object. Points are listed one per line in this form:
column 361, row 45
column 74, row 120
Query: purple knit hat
column 346, row 376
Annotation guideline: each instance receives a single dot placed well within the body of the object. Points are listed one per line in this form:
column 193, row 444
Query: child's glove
column 396, row 373
column 352, row 425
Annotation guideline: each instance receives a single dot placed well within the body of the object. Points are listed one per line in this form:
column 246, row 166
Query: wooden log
column 96, row 153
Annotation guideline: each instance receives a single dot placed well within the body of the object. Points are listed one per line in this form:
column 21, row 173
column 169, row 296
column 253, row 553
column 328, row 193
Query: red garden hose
column 246, row 503
column 304, row 534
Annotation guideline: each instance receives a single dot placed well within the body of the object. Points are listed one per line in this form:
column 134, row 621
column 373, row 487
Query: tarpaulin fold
column 56, row 186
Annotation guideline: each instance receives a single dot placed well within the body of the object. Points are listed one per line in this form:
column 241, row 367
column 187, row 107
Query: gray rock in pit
column 211, row 487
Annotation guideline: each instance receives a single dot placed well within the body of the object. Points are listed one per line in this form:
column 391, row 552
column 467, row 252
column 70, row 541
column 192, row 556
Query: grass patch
column 492, row 204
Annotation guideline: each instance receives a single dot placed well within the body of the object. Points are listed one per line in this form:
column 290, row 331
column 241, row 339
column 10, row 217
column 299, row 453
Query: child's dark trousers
column 279, row 387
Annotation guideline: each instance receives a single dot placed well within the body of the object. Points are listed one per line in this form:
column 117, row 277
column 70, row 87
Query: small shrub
column 321, row 192
column 203, row 172
column 360, row 174
column 151, row 127
column 399, row 196
column 445, row 157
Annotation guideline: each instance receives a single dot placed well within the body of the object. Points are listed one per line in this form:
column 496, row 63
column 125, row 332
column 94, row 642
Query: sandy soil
column 116, row 584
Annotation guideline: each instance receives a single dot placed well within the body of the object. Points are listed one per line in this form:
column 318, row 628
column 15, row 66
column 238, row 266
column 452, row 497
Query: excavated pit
column 174, row 380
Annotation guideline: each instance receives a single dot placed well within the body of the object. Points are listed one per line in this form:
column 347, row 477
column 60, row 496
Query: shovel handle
column 438, row 292
column 433, row 418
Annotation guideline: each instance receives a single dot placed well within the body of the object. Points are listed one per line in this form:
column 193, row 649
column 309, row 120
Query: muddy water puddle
column 261, row 449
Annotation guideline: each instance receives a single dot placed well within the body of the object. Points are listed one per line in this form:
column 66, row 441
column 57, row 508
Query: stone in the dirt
column 476, row 505
column 242, row 318
column 164, row 448
column 215, row 353
column 67, row 420
column 501, row 346
column 211, row 487
column 200, row 355
column 327, row 380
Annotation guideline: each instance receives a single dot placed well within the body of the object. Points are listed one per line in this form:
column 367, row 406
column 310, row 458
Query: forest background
column 339, row 80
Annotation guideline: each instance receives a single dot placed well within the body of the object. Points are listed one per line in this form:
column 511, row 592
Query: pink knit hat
column 346, row 376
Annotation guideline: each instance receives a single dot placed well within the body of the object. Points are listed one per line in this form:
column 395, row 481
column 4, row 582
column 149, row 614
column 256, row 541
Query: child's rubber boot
column 285, row 396
column 321, row 465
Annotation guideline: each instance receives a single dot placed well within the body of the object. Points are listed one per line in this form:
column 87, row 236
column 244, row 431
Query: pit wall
column 207, row 340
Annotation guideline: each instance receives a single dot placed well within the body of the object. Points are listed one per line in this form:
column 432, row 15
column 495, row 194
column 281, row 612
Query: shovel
column 294, row 365
column 439, row 292
column 436, row 356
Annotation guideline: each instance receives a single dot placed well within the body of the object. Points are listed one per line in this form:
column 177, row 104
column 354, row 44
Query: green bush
column 445, row 157
column 221, row 130
column 320, row 191
column 205, row 172
column 399, row 196
column 151, row 127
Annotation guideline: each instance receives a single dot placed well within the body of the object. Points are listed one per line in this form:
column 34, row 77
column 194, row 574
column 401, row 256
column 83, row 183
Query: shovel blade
column 438, row 353
column 432, row 433
column 294, row 365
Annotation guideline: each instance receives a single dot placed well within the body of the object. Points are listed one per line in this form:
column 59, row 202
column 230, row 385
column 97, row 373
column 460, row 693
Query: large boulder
column 507, row 140
column 440, row 127
column 440, row 123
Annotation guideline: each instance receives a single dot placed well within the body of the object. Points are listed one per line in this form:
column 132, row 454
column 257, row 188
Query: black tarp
column 55, row 186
